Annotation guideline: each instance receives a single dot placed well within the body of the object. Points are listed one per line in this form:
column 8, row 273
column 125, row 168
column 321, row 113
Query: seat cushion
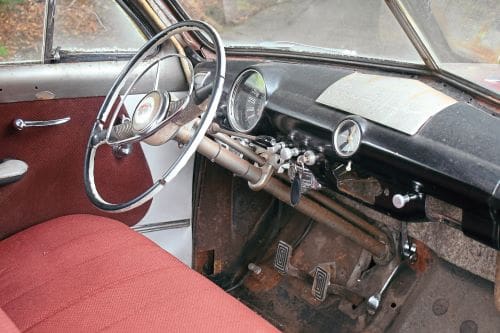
column 83, row 273
column 6, row 324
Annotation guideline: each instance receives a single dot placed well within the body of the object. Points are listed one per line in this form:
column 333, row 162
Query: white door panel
column 177, row 242
column 173, row 203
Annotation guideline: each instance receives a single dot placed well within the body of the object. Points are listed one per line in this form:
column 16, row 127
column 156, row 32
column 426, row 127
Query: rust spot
column 488, row 104
column 424, row 259
column 266, row 280
column 204, row 262
column 218, row 264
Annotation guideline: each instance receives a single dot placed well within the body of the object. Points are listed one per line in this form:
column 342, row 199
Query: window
column 92, row 26
column 464, row 36
column 21, row 30
column 353, row 28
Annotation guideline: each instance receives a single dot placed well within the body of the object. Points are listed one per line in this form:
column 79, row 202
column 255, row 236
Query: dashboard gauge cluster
column 247, row 100
column 347, row 138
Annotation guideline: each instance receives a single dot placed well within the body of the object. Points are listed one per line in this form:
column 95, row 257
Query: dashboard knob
column 400, row 200
column 288, row 153
column 310, row 158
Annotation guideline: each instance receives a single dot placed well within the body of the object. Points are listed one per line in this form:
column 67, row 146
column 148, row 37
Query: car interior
column 249, row 166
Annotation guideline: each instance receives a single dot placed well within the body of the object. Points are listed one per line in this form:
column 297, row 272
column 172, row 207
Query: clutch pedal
column 283, row 265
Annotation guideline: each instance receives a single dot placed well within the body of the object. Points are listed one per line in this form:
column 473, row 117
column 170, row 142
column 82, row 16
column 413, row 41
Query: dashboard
column 404, row 145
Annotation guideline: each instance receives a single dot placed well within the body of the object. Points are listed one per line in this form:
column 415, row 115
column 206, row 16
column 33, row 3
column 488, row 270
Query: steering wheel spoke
column 119, row 134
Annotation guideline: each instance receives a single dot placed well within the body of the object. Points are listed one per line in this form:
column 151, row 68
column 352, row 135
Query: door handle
column 20, row 124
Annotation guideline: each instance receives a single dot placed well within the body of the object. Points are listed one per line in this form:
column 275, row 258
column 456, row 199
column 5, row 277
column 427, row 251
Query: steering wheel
column 158, row 117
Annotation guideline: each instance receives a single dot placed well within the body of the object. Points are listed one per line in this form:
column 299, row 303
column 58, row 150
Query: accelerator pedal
column 320, row 283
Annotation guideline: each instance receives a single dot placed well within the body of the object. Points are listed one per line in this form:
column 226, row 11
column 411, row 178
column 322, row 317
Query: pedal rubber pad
column 321, row 283
column 282, row 258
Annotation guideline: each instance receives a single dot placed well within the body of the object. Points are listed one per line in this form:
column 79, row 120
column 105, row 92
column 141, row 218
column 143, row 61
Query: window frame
column 56, row 55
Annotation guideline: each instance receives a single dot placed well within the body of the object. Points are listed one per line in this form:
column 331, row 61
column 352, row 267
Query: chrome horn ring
column 153, row 115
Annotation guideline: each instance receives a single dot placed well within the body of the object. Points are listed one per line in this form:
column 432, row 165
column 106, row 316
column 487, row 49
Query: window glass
column 94, row 25
column 464, row 36
column 357, row 28
column 21, row 30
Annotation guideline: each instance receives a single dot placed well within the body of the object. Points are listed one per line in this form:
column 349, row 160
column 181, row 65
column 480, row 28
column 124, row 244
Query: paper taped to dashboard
column 399, row 103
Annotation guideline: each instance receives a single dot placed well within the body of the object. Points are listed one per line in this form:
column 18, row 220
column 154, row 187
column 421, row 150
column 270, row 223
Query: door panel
column 70, row 80
column 53, row 185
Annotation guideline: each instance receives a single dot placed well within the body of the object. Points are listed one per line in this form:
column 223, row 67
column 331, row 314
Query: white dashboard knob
column 400, row 200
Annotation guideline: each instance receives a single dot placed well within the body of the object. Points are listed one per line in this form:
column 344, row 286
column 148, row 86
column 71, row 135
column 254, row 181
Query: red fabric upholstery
column 53, row 185
column 6, row 325
column 83, row 273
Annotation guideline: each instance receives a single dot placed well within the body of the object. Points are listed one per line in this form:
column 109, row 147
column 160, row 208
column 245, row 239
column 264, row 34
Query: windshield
column 462, row 35
column 353, row 28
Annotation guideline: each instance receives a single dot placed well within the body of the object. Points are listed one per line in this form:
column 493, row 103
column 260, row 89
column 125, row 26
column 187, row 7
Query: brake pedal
column 320, row 283
column 283, row 256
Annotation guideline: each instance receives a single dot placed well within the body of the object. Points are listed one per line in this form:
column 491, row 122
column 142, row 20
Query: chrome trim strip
column 152, row 227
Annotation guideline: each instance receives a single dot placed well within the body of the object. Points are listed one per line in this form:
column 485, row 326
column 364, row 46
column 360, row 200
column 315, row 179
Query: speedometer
column 247, row 100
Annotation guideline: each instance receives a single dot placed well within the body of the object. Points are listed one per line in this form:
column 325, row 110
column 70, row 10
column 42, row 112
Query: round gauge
column 347, row 138
column 247, row 100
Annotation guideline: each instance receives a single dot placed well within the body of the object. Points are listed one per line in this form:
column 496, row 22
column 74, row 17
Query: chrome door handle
column 20, row 124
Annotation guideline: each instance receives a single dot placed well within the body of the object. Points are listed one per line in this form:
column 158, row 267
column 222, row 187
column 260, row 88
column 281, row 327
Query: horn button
column 149, row 112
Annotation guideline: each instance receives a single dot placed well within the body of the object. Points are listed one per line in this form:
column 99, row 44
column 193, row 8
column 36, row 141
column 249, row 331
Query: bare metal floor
column 449, row 299
column 443, row 299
